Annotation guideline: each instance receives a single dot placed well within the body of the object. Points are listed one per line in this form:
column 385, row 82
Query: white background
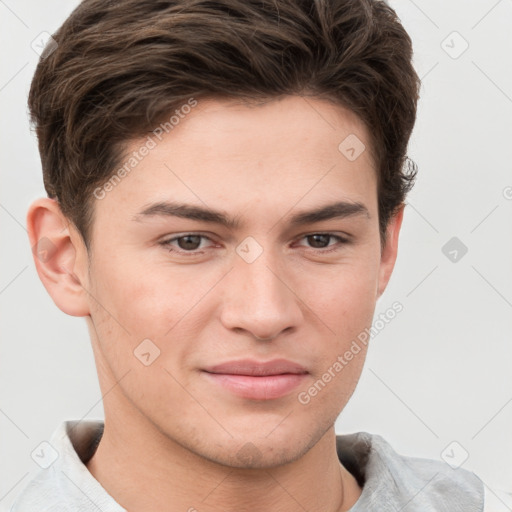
column 439, row 372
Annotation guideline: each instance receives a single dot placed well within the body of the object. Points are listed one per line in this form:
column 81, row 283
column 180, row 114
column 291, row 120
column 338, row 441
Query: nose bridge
column 258, row 297
column 262, row 279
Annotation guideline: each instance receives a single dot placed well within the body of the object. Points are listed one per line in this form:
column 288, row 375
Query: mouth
column 256, row 380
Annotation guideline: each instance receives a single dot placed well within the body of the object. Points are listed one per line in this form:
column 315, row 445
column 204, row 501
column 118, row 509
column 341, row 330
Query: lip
column 257, row 368
column 257, row 380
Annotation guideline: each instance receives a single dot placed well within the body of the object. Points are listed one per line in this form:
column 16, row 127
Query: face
column 230, row 269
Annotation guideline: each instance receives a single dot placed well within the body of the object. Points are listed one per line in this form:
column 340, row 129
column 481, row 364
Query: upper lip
column 257, row 368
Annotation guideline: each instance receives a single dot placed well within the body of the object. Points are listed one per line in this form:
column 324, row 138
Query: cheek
column 343, row 298
column 149, row 303
column 148, row 300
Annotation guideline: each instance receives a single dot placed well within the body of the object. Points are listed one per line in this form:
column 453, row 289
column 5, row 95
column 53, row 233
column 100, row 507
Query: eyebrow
column 336, row 210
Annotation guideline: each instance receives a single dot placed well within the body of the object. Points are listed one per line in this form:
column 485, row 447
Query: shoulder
column 64, row 483
column 398, row 480
column 41, row 494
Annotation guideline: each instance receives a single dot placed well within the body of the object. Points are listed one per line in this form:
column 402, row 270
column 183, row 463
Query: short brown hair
column 122, row 66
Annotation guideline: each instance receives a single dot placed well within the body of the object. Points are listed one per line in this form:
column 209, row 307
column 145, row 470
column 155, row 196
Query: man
column 226, row 187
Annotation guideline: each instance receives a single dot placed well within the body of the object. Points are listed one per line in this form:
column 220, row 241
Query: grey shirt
column 390, row 482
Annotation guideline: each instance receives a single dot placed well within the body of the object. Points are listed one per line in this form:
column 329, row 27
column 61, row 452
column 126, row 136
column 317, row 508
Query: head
column 274, row 135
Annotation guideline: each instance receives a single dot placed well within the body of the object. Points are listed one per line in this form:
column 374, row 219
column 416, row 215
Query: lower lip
column 259, row 388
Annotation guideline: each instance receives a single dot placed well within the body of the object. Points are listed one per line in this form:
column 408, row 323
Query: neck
column 144, row 470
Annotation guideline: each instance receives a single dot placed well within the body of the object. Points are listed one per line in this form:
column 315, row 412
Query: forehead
column 225, row 153
column 302, row 124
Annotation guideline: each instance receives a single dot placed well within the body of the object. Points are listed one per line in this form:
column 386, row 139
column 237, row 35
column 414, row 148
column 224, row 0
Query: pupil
column 189, row 242
column 314, row 239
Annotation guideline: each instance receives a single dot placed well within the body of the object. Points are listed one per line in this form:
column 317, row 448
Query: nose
column 258, row 299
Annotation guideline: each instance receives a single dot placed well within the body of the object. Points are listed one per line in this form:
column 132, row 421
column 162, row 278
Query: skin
column 175, row 440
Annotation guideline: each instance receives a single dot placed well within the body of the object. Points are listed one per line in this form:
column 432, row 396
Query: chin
column 257, row 450
column 253, row 456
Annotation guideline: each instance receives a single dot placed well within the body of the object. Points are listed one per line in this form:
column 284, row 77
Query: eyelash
column 166, row 243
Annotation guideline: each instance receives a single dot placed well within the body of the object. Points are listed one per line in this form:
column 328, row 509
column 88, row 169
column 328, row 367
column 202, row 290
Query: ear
column 60, row 256
column 390, row 250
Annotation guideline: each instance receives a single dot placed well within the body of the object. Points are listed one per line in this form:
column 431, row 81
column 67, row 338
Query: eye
column 321, row 241
column 187, row 243
column 190, row 244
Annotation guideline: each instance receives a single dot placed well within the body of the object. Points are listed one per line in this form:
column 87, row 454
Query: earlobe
column 390, row 250
column 59, row 256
